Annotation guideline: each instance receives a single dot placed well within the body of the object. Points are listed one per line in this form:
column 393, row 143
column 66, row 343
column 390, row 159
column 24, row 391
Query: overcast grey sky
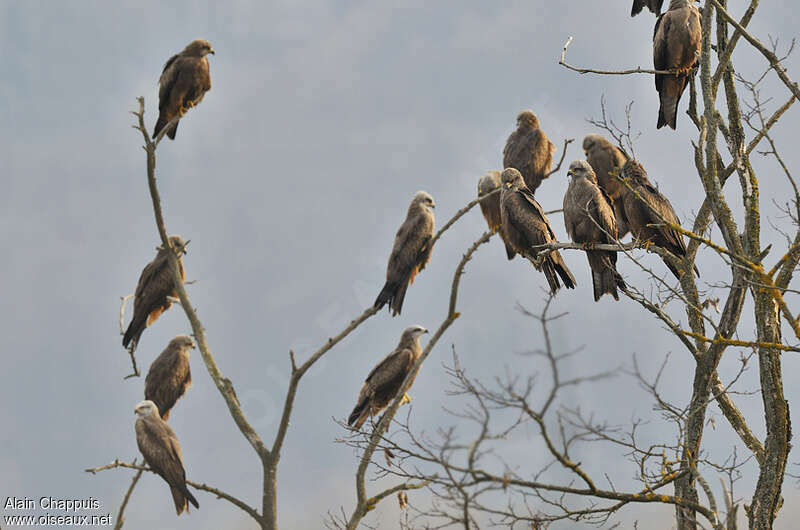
column 291, row 179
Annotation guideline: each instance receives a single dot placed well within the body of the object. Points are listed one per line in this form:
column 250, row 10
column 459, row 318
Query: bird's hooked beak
column 211, row 51
column 507, row 185
column 182, row 250
column 569, row 173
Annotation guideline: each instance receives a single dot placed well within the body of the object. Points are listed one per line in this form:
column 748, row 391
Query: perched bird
column 529, row 151
column 410, row 253
column 386, row 379
column 653, row 5
column 156, row 286
column 524, row 226
column 645, row 205
column 169, row 376
column 183, row 83
column 606, row 160
column 490, row 208
column 162, row 452
column 589, row 218
column 676, row 46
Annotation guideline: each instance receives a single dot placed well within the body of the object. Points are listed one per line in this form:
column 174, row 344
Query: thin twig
column 637, row 70
column 561, row 161
column 120, row 518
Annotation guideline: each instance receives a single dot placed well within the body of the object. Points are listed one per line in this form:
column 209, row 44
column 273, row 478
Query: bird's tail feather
column 385, row 296
column 563, row 270
column 605, row 278
column 190, row 497
column 510, row 252
column 550, row 274
column 667, row 112
column 392, row 294
column 399, row 296
column 132, row 334
column 673, row 269
column 357, row 417
column 179, row 500
column 161, row 123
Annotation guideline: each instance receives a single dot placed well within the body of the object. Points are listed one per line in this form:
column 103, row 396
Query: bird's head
column 581, row 169
column 591, row 141
column 488, row 183
column 413, row 332
column 424, row 199
column 528, row 119
column 178, row 243
column 199, row 48
column 634, row 171
column 511, row 178
column 146, row 408
column 182, row 341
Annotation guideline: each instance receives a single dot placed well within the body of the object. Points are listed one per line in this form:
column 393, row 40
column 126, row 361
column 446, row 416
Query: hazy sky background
column 291, row 179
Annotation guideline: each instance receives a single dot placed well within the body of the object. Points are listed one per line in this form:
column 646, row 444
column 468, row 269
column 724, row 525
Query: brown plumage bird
column 676, row 46
column 606, row 160
column 653, row 5
column 155, row 286
column 410, row 253
column 162, row 452
column 589, row 218
column 183, row 83
column 645, row 205
column 529, row 151
column 169, row 376
column 490, row 208
column 385, row 380
column 525, row 226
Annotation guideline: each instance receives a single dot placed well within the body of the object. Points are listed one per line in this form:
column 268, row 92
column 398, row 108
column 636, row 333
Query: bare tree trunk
column 767, row 496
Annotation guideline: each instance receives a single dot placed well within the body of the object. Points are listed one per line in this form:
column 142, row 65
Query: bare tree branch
column 637, row 70
column 202, row 487
column 120, row 513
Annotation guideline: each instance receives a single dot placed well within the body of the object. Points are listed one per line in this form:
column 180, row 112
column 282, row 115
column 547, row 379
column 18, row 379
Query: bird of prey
column 529, row 151
column 490, row 208
column 645, row 205
column 524, row 226
column 162, row 452
column 589, row 218
column 410, row 253
column 676, row 46
column 169, row 376
column 606, row 160
column 386, row 379
column 156, row 286
column 653, row 5
column 183, row 83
